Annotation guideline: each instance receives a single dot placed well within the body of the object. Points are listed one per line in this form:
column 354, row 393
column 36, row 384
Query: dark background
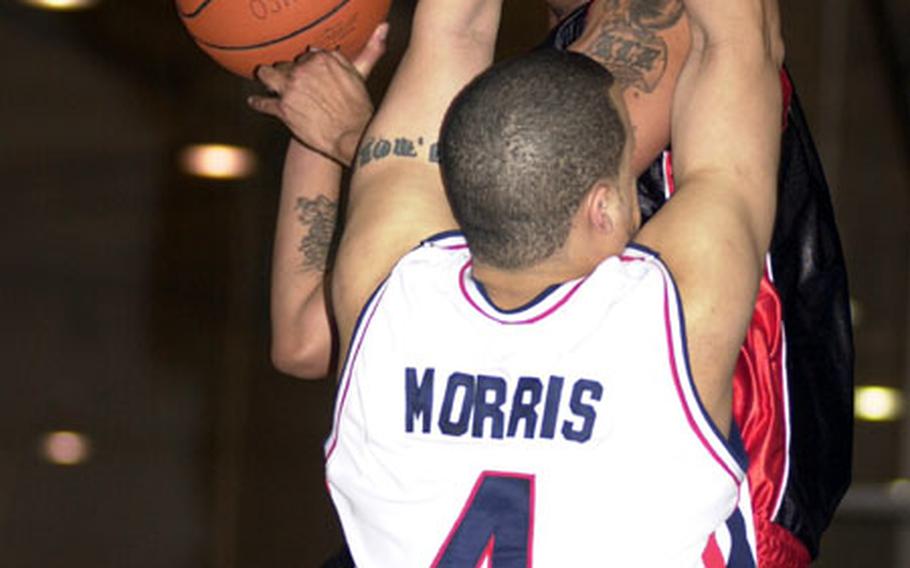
column 134, row 299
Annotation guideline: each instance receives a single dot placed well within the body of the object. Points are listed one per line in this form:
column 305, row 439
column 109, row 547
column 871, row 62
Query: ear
column 601, row 207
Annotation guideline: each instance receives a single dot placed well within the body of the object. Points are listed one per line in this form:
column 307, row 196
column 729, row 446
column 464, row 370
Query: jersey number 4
column 496, row 525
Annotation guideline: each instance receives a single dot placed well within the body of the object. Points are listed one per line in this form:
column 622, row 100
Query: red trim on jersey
column 669, row 182
column 786, row 87
column 682, row 397
column 779, row 548
column 760, row 410
column 439, row 238
column 712, row 557
column 758, row 401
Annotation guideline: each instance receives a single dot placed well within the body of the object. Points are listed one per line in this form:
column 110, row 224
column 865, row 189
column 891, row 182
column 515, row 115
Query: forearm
column 451, row 42
column 307, row 212
column 396, row 197
column 729, row 90
column 451, row 21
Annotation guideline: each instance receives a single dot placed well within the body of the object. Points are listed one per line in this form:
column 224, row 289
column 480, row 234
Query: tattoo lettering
column 656, row 14
column 635, row 59
column 319, row 214
column 376, row 149
column 405, row 148
column 628, row 41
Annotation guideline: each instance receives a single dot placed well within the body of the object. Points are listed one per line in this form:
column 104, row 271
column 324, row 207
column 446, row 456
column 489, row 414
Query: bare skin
column 713, row 235
column 726, row 111
column 644, row 44
column 726, row 141
column 641, row 41
column 323, row 100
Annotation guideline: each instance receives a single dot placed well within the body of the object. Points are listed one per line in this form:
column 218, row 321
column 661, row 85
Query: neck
column 585, row 247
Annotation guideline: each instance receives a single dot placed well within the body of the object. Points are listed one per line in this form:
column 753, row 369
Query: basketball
column 242, row 34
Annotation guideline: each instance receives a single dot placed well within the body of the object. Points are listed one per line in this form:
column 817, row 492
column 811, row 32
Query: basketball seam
column 195, row 12
column 273, row 41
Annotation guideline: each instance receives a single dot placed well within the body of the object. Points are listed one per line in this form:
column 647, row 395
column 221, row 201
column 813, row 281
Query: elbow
column 303, row 360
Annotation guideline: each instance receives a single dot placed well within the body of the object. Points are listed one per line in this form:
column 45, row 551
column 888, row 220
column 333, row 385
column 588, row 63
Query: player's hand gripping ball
column 242, row 34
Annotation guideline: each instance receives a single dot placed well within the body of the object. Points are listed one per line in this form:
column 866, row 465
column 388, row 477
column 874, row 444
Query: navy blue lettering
column 418, row 398
column 447, row 423
column 586, row 411
column 523, row 409
column 497, row 519
column 489, row 409
column 551, row 407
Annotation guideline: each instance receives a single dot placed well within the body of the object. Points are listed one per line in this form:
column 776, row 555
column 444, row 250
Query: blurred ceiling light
column 218, row 161
column 61, row 4
column 65, row 448
column 878, row 404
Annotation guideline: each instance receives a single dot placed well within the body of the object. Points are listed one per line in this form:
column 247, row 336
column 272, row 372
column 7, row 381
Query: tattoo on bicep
column 656, row 14
column 377, row 149
column 319, row 214
column 629, row 44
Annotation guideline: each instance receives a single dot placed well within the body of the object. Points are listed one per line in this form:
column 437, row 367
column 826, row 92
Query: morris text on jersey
column 488, row 406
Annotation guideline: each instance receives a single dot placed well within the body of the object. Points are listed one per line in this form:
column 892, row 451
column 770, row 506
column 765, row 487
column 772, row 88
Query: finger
column 342, row 61
column 306, row 55
column 270, row 76
column 265, row 105
column 375, row 47
column 283, row 67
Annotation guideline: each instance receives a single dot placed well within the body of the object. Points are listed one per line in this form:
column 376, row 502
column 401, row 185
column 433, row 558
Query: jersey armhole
column 728, row 453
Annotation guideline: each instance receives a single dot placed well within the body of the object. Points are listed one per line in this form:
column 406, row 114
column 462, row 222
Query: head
column 527, row 147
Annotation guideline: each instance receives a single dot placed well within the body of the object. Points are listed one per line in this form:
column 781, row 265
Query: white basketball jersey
column 567, row 433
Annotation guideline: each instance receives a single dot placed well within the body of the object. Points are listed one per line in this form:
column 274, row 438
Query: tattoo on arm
column 377, row 149
column 628, row 41
column 319, row 214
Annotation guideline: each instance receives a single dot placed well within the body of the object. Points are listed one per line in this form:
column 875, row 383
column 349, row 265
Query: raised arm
column 715, row 231
column 396, row 196
column 322, row 99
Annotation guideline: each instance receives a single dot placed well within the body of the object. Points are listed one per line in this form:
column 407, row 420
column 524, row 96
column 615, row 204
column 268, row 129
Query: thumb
column 372, row 51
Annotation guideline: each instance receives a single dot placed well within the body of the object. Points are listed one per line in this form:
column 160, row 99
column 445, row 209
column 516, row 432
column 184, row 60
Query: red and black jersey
column 793, row 389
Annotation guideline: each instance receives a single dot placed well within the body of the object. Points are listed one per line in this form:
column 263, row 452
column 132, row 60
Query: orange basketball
column 241, row 34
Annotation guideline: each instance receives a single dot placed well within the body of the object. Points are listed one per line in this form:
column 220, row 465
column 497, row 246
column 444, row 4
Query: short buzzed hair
column 521, row 145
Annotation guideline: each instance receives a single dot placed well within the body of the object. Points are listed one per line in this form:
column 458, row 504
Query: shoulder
column 637, row 279
column 634, row 264
column 438, row 248
column 435, row 259
column 446, row 241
